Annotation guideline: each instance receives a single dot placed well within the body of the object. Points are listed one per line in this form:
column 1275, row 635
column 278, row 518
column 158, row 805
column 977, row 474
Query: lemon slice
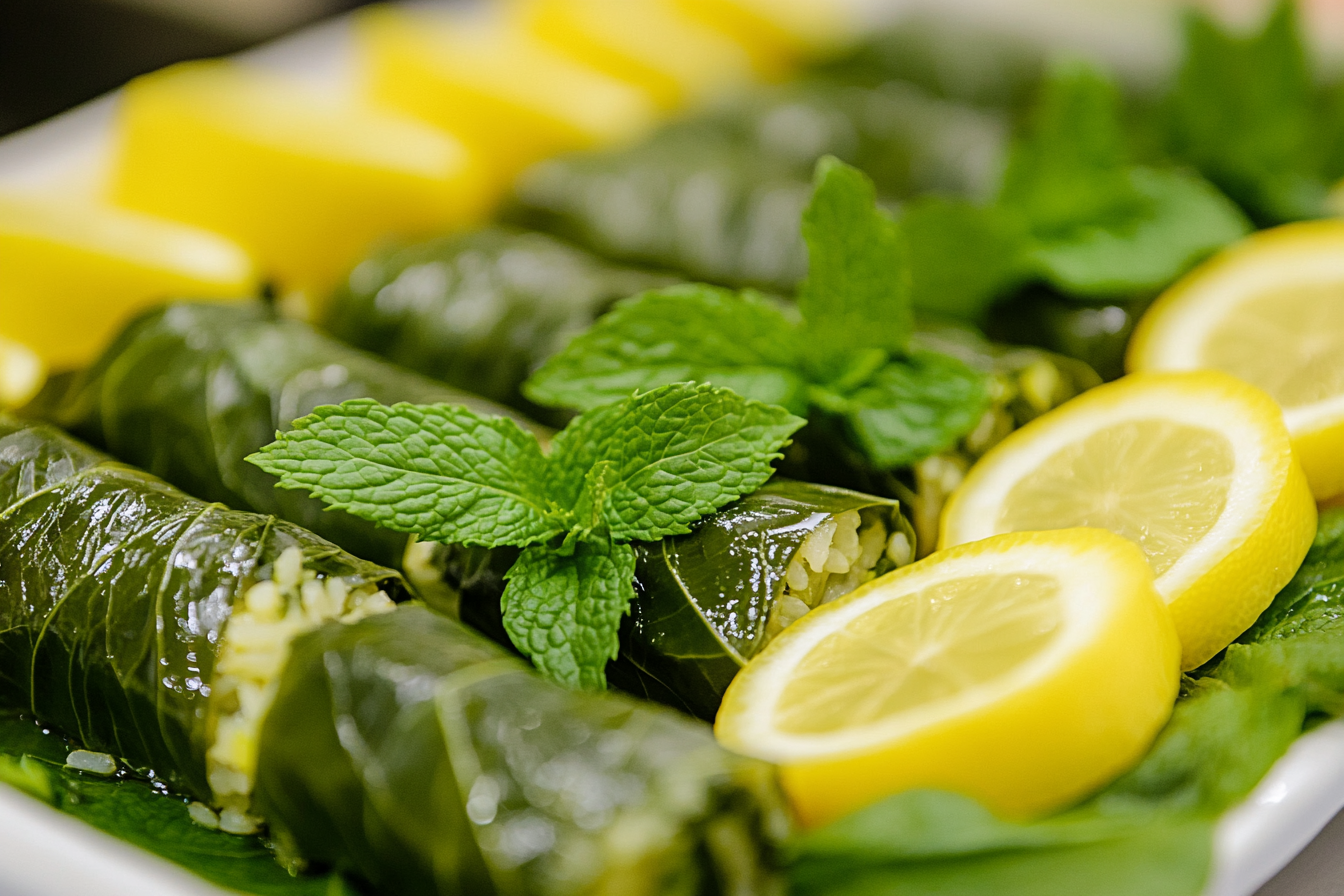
column 1196, row 468
column 1023, row 671
column 1271, row 311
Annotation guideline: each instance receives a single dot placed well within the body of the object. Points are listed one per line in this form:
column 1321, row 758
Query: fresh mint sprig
column 1247, row 112
column 843, row 351
column 1073, row 211
column 640, row 469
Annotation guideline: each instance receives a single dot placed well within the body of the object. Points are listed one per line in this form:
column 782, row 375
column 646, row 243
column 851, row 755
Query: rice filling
column 287, row 602
column 844, row 551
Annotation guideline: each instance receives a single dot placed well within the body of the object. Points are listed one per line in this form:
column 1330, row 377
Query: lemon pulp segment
column 1196, row 468
column 777, row 34
column 647, row 43
column 1167, row 494
column 1023, row 671
column 505, row 94
column 1269, row 310
column 74, row 272
column 934, row 644
column 304, row 183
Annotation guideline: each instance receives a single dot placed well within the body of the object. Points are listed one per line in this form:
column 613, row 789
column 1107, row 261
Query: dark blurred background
column 55, row 54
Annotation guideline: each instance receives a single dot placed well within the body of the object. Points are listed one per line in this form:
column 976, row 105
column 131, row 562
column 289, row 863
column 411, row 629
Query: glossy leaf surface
column 189, row 391
column 115, row 589
column 417, row 754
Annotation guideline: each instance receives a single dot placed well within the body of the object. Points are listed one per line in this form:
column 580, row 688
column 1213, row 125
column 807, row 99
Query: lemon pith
column 1024, row 671
column 1197, row 468
column 1269, row 310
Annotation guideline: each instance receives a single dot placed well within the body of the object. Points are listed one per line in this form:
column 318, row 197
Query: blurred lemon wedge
column 1269, row 310
column 1024, row 671
column 1196, row 468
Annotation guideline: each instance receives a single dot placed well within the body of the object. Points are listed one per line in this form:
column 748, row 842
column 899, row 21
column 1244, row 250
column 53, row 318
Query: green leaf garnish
column 1246, row 113
column 564, row 611
column 1067, row 169
column 674, row 455
column 637, row 470
column 857, row 292
column 687, row 333
column 1099, row 226
column 963, row 256
column 441, row 472
column 1184, row 219
column 916, row 407
column 1073, row 211
column 846, row 353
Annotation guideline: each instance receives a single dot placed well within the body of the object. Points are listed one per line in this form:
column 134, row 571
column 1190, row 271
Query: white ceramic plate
column 44, row 853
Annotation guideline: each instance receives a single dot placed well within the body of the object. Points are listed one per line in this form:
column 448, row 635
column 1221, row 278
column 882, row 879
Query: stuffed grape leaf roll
column 155, row 399
column 718, row 196
column 188, row 391
column 479, row 310
column 217, row 648
column 116, row 591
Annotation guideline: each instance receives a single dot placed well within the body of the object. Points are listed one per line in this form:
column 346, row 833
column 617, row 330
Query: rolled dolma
column 478, row 310
column 709, row 601
column 149, row 624
column 719, row 196
column 425, row 758
column 214, row 648
column 188, row 391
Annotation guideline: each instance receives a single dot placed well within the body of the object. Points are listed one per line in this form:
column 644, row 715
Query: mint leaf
column 590, row 509
column 439, row 471
column 1100, row 227
column 564, row 612
column 1068, row 167
column 677, row 453
column 962, row 256
column 857, row 292
column 915, row 407
column 1182, row 220
column 1314, row 600
column 1244, row 113
column 687, row 333
column 927, row 843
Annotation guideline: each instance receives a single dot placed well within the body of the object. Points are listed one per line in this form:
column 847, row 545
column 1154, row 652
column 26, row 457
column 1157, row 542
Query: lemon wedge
column 1269, row 310
column 306, row 183
column 647, row 43
column 1024, row 671
column 778, row 35
column 1195, row 467
column 507, row 96
column 72, row 273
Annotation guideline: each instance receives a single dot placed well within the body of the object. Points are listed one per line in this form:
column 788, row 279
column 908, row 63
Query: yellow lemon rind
column 1046, row 743
column 1318, row 440
column 1233, row 573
